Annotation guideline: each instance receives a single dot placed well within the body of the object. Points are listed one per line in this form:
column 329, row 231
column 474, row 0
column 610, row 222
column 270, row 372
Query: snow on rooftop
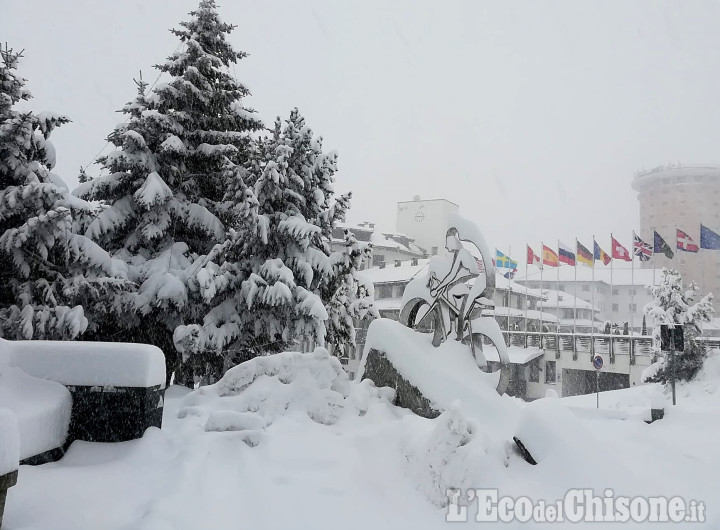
column 563, row 300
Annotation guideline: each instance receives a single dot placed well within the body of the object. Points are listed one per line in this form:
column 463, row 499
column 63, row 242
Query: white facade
column 426, row 221
column 619, row 294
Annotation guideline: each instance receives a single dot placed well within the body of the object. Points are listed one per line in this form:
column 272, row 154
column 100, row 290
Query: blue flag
column 709, row 239
column 661, row 247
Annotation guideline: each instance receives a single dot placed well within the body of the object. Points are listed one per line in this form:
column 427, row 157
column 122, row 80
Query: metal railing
column 590, row 344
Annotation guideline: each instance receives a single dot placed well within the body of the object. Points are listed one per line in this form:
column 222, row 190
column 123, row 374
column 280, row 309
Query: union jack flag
column 641, row 249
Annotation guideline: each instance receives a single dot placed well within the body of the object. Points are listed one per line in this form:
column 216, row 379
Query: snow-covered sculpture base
column 427, row 379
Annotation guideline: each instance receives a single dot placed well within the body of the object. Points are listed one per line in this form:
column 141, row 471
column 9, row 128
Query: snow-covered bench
column 117, row 389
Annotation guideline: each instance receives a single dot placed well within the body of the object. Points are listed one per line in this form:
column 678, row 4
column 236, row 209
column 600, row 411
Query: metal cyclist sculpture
column 445, row 302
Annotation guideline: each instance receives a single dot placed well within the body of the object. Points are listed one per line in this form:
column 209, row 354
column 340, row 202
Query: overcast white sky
column 533, row 116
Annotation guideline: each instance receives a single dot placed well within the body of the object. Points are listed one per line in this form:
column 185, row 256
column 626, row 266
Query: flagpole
column 509, row 296
column 575, row 291
column 611, row 273
column 592, row 297
column 526, row 291
column 557, row 293
column 632, row 289
column 542, row 301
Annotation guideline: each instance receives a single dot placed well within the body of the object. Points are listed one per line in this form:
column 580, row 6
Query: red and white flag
column 685, row 242
column 618, row 251
column 532, row 258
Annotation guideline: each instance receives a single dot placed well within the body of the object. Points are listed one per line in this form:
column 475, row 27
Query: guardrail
column 590, row 344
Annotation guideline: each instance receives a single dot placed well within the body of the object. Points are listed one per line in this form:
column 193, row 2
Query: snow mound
column 42, row 410
column 450, row 452
column 252, row 395
column 9, row 442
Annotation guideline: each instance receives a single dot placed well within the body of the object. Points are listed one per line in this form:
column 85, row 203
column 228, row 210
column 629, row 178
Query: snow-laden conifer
column 56, row 284
column 674, row 305
column 167, row 178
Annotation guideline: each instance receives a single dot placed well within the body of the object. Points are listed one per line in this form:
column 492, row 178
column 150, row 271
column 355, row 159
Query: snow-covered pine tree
column 672, row 304
column 347, row 300
column 168, row 175
column 54, row 282
column 277, row 274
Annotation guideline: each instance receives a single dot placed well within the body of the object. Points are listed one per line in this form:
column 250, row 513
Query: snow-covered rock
column 41, row 408
column 443, row 375
column 87, row 363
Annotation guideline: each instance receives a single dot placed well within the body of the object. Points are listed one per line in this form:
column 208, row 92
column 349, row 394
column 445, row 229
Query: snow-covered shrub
column 252, row 395
column 674, row 305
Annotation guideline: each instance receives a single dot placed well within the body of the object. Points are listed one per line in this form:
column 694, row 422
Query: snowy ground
column 294, row 445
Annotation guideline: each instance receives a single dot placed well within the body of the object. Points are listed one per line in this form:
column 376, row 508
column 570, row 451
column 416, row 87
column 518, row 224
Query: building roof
column 677, row 174
column 563, row 300
column 380, row 240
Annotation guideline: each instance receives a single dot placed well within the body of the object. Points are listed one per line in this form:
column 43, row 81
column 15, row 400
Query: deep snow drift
column 288, row 442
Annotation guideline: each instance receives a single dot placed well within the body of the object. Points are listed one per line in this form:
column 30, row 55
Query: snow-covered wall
column 87, row 363
column 9, row 442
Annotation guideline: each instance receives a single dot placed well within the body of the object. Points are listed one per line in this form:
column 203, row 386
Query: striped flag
column 708, row 239
column 685, row 242
column 641, row 249
column 549, row 257
column 584, row 255
column 600, row 254
column 565, row 254
column 619, row 251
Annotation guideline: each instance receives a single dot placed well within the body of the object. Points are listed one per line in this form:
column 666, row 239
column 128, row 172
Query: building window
column 633, row 308
column 615, row 308
column 586, row 287
column 615, row 291
column 633, row 291
column 378, row 259
column 550, row 373
column 534, row 366
column 561, row 287
column 384, row 291
column 433, row 251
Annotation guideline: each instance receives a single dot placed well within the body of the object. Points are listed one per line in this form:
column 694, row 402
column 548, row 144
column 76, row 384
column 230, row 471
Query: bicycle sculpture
column 446, row 303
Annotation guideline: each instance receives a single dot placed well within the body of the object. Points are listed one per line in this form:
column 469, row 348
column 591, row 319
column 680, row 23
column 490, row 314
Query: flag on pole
column 510, row 274
column 480, row 264
column 600, row 254
column 504, row 262
column 641, row 249
column 549, row 257
column 584, row 255
column 619, row 251
column 532, row 258
column 708, row 239
column 661, row 247
column 565, row 254
column 685, row 242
